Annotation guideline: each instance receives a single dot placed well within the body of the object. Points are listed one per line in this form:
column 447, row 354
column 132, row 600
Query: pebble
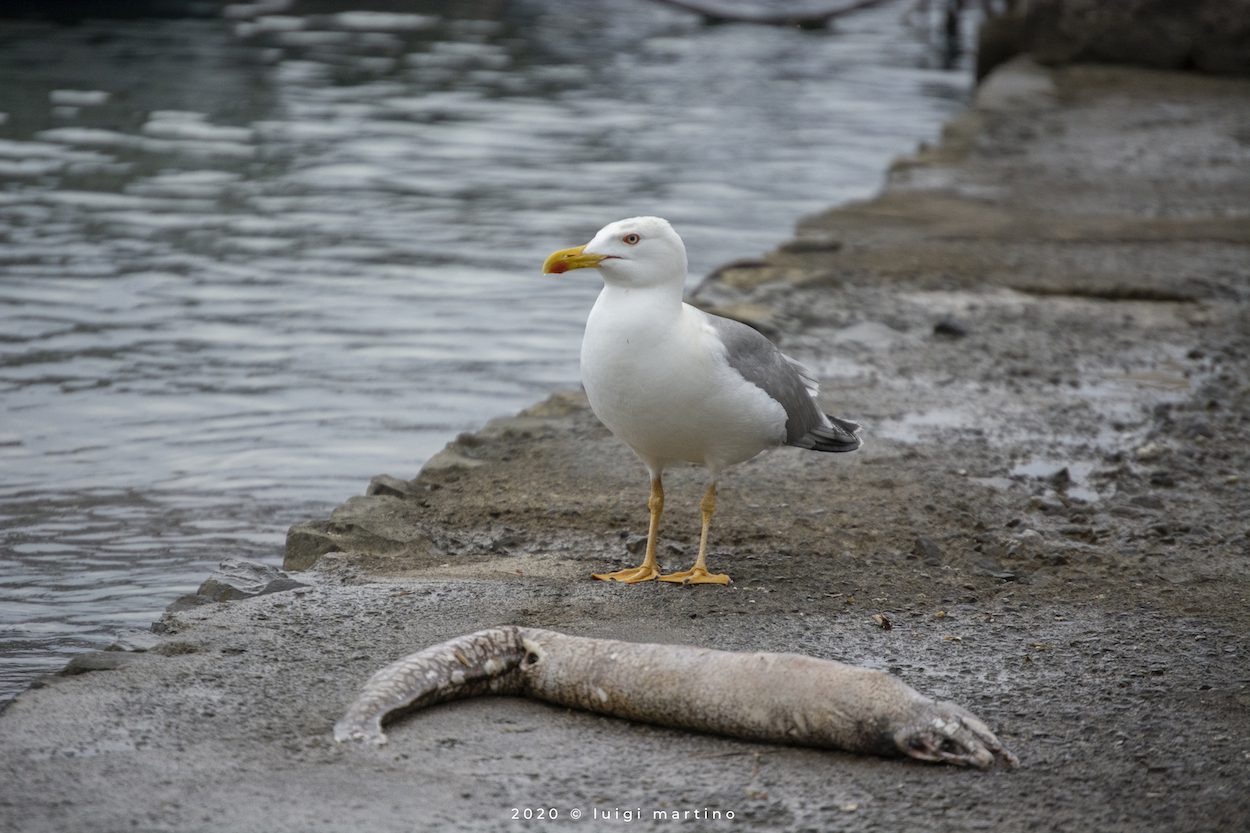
column 950, row 328
column 1045, row 504
column 926, row 549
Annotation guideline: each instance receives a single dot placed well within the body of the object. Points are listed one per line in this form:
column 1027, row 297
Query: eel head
column 947, row 733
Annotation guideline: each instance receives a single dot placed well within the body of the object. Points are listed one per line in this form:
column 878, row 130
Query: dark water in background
column 248, row 262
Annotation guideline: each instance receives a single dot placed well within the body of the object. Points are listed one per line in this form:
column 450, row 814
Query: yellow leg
column 648, row 569
column 698, row 574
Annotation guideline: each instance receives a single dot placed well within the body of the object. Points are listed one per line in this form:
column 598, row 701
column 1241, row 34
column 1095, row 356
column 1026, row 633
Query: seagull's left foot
column 695, row 575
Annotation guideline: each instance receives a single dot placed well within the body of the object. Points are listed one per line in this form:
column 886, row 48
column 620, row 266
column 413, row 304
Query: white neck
column 658, row 299
column 624, row 315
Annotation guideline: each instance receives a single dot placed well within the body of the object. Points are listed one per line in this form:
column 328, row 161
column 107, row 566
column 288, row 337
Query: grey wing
column 787, row 381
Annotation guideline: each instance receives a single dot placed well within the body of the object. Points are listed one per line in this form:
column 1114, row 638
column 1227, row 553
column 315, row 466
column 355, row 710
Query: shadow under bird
column 678, row 384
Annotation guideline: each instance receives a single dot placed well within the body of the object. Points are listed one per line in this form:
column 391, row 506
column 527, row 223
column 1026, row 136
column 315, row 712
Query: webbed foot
column 695, row 575
column 634, row 575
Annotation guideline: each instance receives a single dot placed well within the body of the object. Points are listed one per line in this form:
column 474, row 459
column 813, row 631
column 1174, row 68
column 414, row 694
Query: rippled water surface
column 247, row 262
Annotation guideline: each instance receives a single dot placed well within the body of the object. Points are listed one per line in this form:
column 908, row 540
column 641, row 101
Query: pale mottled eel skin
column 776, row 698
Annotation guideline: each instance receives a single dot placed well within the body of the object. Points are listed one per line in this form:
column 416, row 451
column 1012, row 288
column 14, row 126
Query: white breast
column 658, row 378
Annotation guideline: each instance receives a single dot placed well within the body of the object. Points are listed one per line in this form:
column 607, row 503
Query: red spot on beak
column 558, row 268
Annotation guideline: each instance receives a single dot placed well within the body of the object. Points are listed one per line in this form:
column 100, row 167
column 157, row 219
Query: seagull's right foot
column 645, row 572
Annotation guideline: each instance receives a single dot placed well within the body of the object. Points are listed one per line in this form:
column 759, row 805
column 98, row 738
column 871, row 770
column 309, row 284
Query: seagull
column 677, row 384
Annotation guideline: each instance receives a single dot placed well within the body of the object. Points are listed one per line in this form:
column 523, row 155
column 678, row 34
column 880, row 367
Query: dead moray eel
column 775, row 698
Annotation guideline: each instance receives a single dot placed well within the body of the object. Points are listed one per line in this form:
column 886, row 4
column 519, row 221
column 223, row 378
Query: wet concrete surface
column 1042, row 323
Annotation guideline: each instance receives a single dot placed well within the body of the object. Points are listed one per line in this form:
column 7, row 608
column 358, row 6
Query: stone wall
column 1205, row 35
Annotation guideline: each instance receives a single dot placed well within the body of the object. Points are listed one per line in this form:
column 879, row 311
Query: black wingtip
column 851, row 428
column 840, row 436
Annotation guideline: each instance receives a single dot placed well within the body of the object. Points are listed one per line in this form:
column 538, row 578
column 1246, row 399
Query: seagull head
column 638, row 252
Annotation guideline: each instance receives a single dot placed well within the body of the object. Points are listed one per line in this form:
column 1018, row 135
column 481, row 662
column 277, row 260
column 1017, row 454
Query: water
column 247, row 262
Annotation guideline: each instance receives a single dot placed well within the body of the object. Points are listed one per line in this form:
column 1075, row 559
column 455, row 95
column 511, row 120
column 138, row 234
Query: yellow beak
column 566, row 259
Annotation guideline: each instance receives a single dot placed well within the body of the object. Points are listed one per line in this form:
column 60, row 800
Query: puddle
column 871, row 334
column 915, row 427
column 1077, row 484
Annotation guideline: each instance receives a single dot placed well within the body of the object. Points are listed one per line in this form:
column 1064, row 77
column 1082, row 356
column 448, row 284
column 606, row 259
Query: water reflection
column 249, row 261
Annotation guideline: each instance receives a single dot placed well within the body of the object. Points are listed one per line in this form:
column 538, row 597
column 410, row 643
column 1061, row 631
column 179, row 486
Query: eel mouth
column 955, row 737
column 947, row 750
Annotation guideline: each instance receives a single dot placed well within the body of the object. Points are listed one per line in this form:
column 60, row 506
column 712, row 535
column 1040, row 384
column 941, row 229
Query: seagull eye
column 631, row 239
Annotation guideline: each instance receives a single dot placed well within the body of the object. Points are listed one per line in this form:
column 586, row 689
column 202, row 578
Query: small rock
column 1061, row 479
column 449, row 461
column 1082, row 532
column 1149, row 451
column 1162, row 479
column 235, row 578
column 1026, row 543
column 384, row 484
column 996, row 570
column 1147, row 501
column 928, row 551
column 94, row 661
column 950, row 328
column 184, row 602
column 1045, row 504
column 1053, row 559
column 306, row 542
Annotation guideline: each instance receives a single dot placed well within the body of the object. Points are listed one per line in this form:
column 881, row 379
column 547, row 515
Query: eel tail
column 485, row 662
